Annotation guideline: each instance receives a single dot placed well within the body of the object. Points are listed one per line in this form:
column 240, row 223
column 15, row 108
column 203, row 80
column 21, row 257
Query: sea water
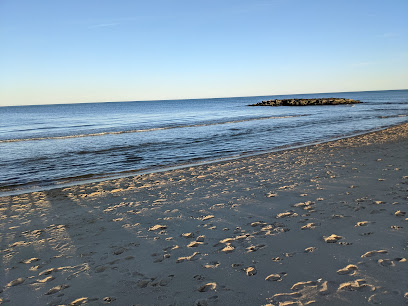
column 44, row 145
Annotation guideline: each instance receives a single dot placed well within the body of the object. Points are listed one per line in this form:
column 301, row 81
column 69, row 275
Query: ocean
column 43, row 146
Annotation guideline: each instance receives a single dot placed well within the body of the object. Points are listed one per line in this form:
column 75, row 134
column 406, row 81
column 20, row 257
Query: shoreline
column 96, row 178
column 323, row 223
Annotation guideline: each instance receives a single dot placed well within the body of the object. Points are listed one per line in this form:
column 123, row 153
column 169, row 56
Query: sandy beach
column 325, row 224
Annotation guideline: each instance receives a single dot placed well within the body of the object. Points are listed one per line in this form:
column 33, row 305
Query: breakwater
column 306, row 102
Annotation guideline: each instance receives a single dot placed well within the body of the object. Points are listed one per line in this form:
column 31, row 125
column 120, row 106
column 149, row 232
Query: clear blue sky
column 65, row 51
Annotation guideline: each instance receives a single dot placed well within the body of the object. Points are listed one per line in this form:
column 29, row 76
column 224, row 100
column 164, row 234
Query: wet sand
column 325, row 223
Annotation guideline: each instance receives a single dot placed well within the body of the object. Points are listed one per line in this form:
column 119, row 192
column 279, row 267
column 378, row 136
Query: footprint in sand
column 80, row 301
column 386, row 262
column 384, row 298
column 16, row 282
column 46, row 280
column 199, row 277
column 119, row 251
column 327, row 287
column 333, row 238
column 300, row 285
column 228, row 249
column 163, row 281
column 310, row 249
column 257, row 223
column 308, row 205
column 396, row 227
column 254, row 248
column 157, row 227
column 236, row 265
column 143, row 282
column 303, row 292
column 188, row 258
column 204, row 218
column 201, row 302
column 207, row 287
column 212, row 265
column 400, row 213
column 361, row 223
column 194, row 244
column 277, row 259
column 161, row 258
column 48, row 271
column 376, row 211
column 200, row 238
column 171, row 247
column 390, row 262
column 250, row 271
column 309, row 226
column 100, row 269
column 109, row 299
column 350, row 270
column 357, row 285
column 286, row 214
column 373, row 253
column 56, row 289
column 274, row 277
column 286, row 298
column 31, row 260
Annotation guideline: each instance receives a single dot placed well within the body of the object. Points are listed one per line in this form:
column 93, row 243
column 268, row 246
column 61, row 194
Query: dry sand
column 325, row 224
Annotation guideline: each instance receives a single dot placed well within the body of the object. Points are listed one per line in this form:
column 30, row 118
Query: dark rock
column 306, row 102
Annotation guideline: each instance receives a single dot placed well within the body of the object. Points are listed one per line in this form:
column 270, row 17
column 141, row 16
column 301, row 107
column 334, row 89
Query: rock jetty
column 305, row 102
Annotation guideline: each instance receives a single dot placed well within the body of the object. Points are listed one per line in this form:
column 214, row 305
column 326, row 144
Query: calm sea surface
column 44, row 145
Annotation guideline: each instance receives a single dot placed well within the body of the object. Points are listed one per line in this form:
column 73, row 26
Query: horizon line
column 181, row 99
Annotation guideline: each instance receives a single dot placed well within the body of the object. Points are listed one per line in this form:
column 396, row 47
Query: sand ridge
column 325, row 224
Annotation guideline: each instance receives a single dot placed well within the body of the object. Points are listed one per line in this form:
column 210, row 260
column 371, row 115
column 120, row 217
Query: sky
column 72, row 51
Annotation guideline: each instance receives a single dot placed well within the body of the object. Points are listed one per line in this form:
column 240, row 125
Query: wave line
column 146, row 130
